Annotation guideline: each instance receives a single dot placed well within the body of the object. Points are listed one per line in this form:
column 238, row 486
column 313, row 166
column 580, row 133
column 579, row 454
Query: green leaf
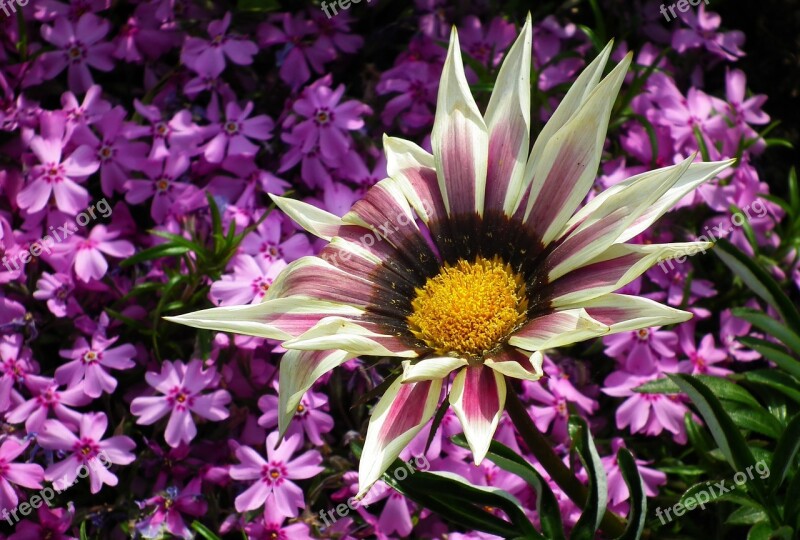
column 794, row 192
column 751, row 419
column 791, row 508
column 769, row 325
column 204, row 531
column 726, row 435
column 775, row 380
column 638, row 512
column 595, row 507
column 746, row 516
column 759, row 281
column 546, row 503
column 258, row 6
column 772, row 352
column 722, row 388
column 156, row 252
column 785, row 452
column 83, row 531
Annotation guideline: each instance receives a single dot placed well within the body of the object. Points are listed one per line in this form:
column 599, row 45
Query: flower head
column 472, row 260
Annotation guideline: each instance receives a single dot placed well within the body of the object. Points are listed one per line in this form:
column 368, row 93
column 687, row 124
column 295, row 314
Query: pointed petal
column 400, row 414
column 354, row 337
column 281, row 318
column 315, row 220
column 600, row 229
column 299, row 371
column 623, row 313
column 431, row 368
column 517, row 364
column 414, row 171
column 568, row 165
column 478, row 397
column 614, row 268
column 557, row 329
column 459, row 139
column 508, row 122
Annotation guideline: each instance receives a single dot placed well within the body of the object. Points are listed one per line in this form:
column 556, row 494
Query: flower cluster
column 139, row 145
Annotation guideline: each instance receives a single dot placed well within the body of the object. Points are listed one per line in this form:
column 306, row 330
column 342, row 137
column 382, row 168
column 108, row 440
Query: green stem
column 542, row 449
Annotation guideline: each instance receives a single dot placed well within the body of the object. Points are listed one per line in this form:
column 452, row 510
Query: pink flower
column 309, row 418
column 88, row 255
column 90, row 111
column 643, row 351
column 179, row 134
column 233, row 135
column 486, row 45
column 88, row 363
column 78, row 47
column 181, row 388
column 170, row 505
column 702, row 32
column 251, row 279
column 55, row 176
column 87, row 449
column 617, row 489
column 162, row 185
column 52, row 525
column 29, row 475
column 57, row 289
column 300, row 54
column 702, row 359
column 46, row 399
column 273, row 476
column 266, row 241
column 199, row 53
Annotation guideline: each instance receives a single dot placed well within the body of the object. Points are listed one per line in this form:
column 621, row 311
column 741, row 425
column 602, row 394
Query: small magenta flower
column 57, row 289
column 56, row 176
column 86, row 450
column 176, row 135
column 29, row 475
column 46, row 399
column 89, row 364
column 180, row 387
column 273, row 485
column 310, row 417
column 199, row 53
column 88, row 255
column 299, row 56
column 251, row 279
column 170, row 506
column 232, row 135
column 162, row 185
column 15, row 364
column 78, row 47
column 52, row 524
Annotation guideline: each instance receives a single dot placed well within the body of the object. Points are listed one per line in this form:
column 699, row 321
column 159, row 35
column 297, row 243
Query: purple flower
column 617, row 488
column 162, row 185
column 52, row 525
column 90, row 111
column 178, row 135
column 232, row 136
column 78, row 47
column 199, row 53
column 643, row 351
column 170, row 506
column 266, row 241
column 116, row 154
column 89, row 364
column 181, row 388
column 273, row 485
column 87, row 255
column 701, row 359
column 16, row 365
column 46, row 399
column 309, row 416
column 702, row 32
column 326, row 120
column 251, row 279
column 270, row 527
column 86, row 449
column 55, row 176
column 486, row 45
column 57, row 289
column 29, row 475
column 298, row 55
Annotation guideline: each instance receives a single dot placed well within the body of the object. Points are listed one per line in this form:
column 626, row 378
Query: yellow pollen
column 470, row 308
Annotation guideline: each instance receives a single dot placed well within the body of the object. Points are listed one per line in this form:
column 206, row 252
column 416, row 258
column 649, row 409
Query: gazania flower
column 471, row 260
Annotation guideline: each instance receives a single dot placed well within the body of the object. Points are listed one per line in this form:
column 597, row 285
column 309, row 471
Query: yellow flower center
column 469, row 308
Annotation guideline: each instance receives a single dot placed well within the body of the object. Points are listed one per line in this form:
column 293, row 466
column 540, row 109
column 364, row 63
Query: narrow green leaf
column 595, row 507
column 546, row 503
column 785, row 452
column 726, row 434
column 156, row 252
column 791, row 507
column 759, row 281
column 772, row 352
column 752, row 419
column 775, row 380
column 746, row 516
column 722, row 388
column 769, row 325
column 638, row 512
column 794, row 191
column 204, row 531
